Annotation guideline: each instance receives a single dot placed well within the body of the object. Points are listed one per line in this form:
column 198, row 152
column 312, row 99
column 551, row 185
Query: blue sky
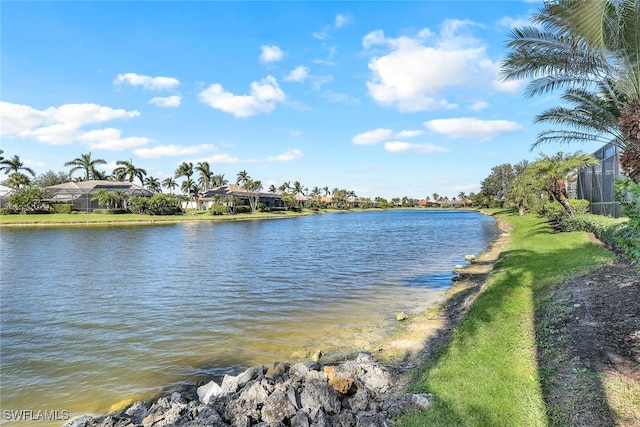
column 386, row 99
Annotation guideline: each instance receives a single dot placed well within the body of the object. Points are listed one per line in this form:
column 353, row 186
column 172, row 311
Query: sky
column 389, row 99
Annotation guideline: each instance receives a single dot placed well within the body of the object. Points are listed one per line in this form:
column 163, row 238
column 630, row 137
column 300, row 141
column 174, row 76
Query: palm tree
column 594, row 117
column 242, row 177
column 285, row 187
column 206, row 175
column 218, row 180
column 127, row 171
column 297, row 188
column 86, row 163
column 17, row 180
column 272, row 188
column 185, row 169
column 153, row 184
column 170, row 184
column 592, row 45
column 13, row 165
column 553, row 172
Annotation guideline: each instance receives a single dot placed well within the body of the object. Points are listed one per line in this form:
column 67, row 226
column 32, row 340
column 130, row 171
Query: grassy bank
column 110, row 219
column 487, row 374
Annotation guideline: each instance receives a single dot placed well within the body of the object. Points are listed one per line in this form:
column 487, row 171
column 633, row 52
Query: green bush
column 218, row 210
column 243, row 209
column 60, row 208
column 556, row 212
column 615, row 232
column 8, row 211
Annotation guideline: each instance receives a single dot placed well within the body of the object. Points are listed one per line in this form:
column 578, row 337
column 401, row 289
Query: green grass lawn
column 106, row 219
column 487, row 374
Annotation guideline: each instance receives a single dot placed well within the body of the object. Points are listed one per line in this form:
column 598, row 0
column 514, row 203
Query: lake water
column 93, row 316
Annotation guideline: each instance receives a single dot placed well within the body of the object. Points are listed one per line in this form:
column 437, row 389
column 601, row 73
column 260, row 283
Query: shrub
column 218, row 210
column 60, row 208
column 615, row 232
column 8, row 211
column 243, row 209
column 556, row 212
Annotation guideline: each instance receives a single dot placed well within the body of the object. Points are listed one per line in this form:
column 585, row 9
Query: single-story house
column 5, row 193
column 79, row 193
column 223, row 193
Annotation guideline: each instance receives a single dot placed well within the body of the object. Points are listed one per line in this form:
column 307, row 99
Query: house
column 79, row 193
column 224, row 193
column 5, row 193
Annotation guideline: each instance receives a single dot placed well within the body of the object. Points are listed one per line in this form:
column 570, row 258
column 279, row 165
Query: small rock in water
column 401, row 316
column 469, row 258
column 316, row 356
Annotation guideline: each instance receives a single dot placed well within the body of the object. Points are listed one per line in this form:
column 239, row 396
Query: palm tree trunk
column 559, row 192
column 630, row 129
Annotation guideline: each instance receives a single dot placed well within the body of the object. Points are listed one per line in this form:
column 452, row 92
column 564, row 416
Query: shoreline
column 397, row 356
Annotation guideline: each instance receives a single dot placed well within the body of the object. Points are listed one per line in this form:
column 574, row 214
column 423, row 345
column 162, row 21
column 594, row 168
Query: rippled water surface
column 92, row 316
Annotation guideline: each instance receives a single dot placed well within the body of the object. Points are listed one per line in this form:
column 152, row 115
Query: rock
column 353, row 393
column 277, row 408
column 315, row 357
column 82, row 421
column 320, row 395
column 208, row 391
column 279, row 370
column 469, row 258
column 342, row 384
column 401, row 316
column 300, row 419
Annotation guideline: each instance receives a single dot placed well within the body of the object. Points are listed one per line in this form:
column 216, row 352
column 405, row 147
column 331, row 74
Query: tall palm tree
column 185, row 169
column 87, row 164
column 15, row 165
column 218, row 180
column 128, row 171
column 153, row 184
column 589, row 44
column 594, row 117
column 297, row 188
column 170, row 183
column 242, row 177
column 206, row 175
column 553, row 172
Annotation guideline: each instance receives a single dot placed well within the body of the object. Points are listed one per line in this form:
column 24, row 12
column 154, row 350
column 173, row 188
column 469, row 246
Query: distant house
column 79, row 193
column 226, row 192
column 5, row 193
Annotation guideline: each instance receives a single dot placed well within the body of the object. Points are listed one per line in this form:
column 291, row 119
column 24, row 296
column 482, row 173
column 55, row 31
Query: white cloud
column 472, row 128
column 408, row 133
column 509, row 22
column 401, row 146
column 263, row 98
column 166, row 102
column 345, row 98
column 341, row 21
column 479, row 106
column 270, row 54
column 289, row 156
column 147, row 82
column 416, row 72
column 372, row 137
column 111, row 139
column 59, row 125
column 173, row 150
column 298, row 74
